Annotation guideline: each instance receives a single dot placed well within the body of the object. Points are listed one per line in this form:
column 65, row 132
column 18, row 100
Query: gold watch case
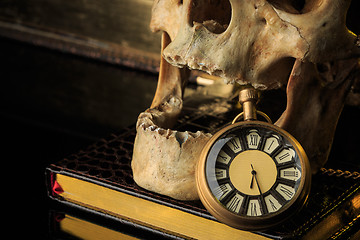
column 253, row 175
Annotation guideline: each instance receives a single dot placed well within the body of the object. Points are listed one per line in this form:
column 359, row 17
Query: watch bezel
column 252, row 222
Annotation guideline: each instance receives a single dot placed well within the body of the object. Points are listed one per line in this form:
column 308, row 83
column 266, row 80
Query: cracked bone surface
column 304, row 44
column 258, row 40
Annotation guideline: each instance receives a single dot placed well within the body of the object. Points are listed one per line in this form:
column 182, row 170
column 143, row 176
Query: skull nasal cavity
column 215, row 15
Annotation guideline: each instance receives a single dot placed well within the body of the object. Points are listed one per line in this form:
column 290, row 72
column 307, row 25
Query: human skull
column 304, row 44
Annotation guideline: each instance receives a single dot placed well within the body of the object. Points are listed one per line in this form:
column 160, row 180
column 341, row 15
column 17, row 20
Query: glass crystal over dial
column 253, row 175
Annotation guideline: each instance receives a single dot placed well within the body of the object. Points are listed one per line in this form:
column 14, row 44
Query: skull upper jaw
column 257, row 41
column 254, row 47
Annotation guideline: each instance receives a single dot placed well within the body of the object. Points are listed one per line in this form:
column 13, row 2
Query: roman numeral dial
column 253, row 139
column 272, row 203
column 252, row 172
column 254, row 208
column 255, row 172
column 235, row 203
column 234, row 144
column 271, row 144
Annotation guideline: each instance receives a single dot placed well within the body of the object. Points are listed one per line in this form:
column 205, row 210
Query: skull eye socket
column 291, row 6
column 296, row 6
column 212, row 14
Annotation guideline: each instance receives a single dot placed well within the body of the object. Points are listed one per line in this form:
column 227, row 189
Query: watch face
column 254, row 173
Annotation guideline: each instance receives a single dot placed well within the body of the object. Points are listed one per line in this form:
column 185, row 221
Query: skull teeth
column 164, row 160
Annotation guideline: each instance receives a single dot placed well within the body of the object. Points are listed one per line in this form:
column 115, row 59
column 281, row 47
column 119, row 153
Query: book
column 99, row 179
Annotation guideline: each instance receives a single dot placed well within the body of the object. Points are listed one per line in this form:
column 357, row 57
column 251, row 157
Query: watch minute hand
column 252, row 181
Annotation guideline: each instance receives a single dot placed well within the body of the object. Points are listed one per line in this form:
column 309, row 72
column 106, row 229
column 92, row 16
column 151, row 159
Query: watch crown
column 248, row 94
column 248, row 98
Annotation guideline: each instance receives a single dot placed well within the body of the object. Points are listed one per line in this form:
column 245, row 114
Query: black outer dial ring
column 241, row 221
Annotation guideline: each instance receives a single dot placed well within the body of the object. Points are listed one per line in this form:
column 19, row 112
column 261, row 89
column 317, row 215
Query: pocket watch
column 253, row 175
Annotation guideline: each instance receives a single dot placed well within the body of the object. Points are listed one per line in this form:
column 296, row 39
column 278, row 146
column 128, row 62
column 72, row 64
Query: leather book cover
column 108, row 164
column 332, row 210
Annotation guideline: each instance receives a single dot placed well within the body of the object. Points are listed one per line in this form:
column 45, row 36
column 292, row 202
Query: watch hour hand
column 253, row 172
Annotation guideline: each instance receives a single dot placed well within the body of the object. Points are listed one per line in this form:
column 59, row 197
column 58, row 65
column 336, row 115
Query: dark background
column 71, row 72
column 54, row 104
